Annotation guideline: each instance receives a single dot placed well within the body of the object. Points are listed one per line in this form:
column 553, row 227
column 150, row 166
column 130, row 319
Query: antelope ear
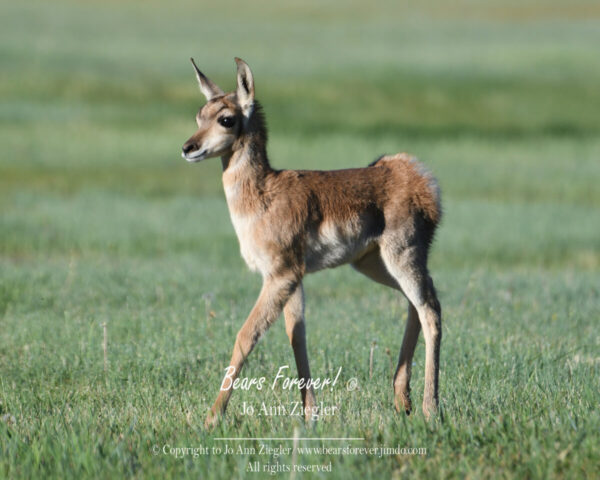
column 245, row 87
column 208, row 88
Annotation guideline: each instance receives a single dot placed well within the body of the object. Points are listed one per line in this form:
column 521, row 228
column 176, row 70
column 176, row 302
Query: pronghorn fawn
column 380, row 219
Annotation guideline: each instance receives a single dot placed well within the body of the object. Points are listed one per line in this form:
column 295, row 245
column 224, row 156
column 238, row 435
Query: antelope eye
column 227, row 122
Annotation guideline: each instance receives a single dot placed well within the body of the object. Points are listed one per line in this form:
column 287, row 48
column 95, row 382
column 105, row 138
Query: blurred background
column 103, row 221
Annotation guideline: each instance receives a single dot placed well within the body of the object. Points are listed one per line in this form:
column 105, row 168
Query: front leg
column 275, row 293
column 294, row 327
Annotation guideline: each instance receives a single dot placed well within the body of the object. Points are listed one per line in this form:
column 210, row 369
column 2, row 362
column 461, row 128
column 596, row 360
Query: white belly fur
column 333, row 245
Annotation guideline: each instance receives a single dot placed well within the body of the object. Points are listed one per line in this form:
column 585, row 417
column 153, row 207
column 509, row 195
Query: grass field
column 102, row 222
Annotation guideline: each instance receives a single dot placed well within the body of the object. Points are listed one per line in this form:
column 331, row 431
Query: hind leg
column 403, row 370
column 372, row 266
column 408, row 267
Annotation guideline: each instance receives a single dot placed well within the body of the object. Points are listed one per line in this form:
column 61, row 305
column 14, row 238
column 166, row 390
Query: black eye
column 227, row 122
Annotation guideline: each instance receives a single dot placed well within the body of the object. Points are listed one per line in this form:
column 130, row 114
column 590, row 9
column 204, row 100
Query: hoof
column 311, row 409
column 310, row 418
column 212, row 420
column 430, row 410
column 402, row 403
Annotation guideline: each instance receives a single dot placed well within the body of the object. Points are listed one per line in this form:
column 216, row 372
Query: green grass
column 102, row 222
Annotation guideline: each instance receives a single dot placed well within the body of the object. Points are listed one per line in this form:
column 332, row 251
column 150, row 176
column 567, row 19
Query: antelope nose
column 189, row 147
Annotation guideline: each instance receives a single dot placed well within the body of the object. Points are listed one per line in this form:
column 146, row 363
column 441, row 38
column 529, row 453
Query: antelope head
column 222, row 119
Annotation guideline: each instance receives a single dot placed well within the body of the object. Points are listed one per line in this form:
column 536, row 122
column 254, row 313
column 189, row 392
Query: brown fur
column 380, row 219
